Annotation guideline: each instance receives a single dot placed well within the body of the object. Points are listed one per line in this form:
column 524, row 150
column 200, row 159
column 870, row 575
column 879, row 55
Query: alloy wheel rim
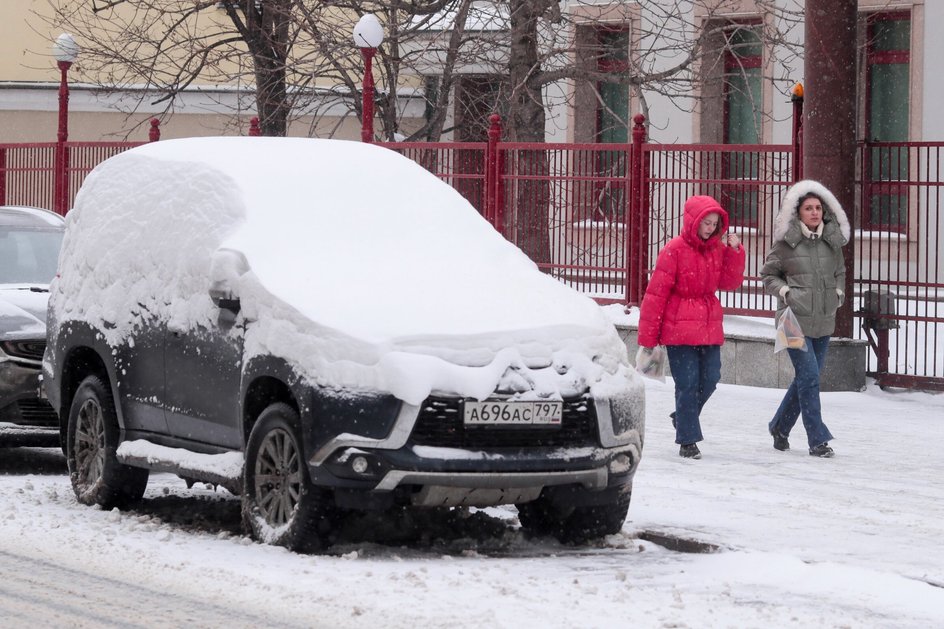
column 90, row 444
column 277, row 481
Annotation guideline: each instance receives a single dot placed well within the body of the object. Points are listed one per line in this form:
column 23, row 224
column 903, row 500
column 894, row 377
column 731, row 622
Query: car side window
column 28, row 256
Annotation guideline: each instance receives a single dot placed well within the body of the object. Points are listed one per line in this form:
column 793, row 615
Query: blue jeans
column 696, row 370
column 802, row 396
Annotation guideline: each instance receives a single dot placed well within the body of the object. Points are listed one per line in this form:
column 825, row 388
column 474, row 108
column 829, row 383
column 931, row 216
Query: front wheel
column 574, row 524
column 97, row 477
column 280, row 504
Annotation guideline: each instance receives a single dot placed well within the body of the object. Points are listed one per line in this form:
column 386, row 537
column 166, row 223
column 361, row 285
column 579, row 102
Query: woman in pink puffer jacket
column 681, row 310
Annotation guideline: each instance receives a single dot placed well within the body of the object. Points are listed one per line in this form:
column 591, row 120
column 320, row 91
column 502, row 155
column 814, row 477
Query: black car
column 29, row 247
column 247, row 312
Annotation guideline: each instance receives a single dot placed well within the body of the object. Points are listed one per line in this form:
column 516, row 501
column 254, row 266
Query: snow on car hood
column 23, row 311
column 352, row 262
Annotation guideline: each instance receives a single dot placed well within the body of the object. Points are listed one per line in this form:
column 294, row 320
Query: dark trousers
column 696, row 370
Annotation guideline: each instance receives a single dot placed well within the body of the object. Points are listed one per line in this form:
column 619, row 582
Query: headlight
column 29, row 351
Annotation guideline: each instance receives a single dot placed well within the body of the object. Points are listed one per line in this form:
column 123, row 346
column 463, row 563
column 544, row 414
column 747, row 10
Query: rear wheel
column 280, row 504
column 97, row 477
column 573, row 524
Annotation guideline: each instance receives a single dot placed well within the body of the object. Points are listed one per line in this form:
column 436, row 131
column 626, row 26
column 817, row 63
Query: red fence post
column 254, row 127
column 3, row 176
column 155, row 133
column 797, row 137
column 637, row 217
column 491, row 172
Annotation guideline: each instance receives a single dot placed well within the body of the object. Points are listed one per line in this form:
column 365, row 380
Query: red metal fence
column 899, row 261
column 571, row 206
column 596, row 215
column 28, row 175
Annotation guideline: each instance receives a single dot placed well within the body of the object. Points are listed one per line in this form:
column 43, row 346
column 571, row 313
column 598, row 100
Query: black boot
column 690, row 451
column 780, row 440
column 822, row 450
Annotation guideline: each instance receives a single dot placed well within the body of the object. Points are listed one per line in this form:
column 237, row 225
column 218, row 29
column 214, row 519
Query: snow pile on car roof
column 359, row 267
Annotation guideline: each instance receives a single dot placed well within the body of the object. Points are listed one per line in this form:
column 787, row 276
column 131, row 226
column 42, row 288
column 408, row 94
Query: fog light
column 359, row 464
column 620, row 464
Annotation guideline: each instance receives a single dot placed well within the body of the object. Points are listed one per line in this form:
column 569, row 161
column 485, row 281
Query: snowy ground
column 854, row 541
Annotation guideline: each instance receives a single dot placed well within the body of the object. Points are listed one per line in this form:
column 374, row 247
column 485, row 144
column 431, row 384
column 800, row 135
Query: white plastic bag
column 650, row 362
column 789, row 333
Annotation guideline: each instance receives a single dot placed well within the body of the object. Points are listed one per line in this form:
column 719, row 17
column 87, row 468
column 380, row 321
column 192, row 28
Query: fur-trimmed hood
column 832, row 211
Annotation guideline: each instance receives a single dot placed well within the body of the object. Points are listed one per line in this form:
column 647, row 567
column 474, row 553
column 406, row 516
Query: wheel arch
column 262, row 392
column 81, row 361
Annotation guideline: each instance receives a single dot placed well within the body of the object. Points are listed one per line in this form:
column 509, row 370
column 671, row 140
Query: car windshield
column 28, row 256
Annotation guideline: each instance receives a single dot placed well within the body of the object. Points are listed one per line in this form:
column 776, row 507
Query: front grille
column 36, row 413
column 440, row 424
column 31, row 349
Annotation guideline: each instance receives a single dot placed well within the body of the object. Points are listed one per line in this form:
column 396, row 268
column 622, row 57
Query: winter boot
column 672, row 415
column 822, row 450
column 780, row 440
column 690, row 451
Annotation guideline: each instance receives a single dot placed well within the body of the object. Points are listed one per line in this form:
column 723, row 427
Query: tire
column 97, row 477
column 280, row 505
column 540, row 518
column 573, row 524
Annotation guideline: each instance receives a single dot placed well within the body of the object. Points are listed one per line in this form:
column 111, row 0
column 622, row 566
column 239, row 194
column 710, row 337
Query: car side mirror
column 226, row 268
column 224, row 300
column 228, row 304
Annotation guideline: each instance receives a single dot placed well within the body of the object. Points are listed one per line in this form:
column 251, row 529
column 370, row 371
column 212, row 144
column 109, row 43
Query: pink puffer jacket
column 681, row 306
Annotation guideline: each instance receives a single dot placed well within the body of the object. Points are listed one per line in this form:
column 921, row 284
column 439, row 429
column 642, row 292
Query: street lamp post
column 368, row 34
column 796, row 96
column 65, row 50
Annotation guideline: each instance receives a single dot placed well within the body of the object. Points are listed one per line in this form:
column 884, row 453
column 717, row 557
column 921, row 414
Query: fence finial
column 155, row 133
column 639, row 128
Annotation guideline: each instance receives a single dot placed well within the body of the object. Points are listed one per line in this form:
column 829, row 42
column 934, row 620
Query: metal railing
column 899, row 263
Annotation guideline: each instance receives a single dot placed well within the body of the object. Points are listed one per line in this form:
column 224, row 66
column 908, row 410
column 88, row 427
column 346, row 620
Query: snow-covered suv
column 320, row 325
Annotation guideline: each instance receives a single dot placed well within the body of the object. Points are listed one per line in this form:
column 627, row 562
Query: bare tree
column 297, row 58
column 462, row 57
column 156, row 49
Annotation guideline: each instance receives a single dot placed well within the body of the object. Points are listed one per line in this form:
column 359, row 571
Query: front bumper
column 444, row 466
column 26, row 418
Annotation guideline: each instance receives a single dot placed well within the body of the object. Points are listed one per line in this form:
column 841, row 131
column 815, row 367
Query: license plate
column 512, row 413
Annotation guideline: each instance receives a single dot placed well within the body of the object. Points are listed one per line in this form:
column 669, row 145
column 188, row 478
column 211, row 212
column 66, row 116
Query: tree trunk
column 272, row 103
column 267, row 25
column 526, row 124
column 527, row 99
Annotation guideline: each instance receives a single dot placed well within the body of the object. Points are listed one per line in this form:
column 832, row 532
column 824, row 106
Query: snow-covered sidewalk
column 864, row 530
column 853, row 541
